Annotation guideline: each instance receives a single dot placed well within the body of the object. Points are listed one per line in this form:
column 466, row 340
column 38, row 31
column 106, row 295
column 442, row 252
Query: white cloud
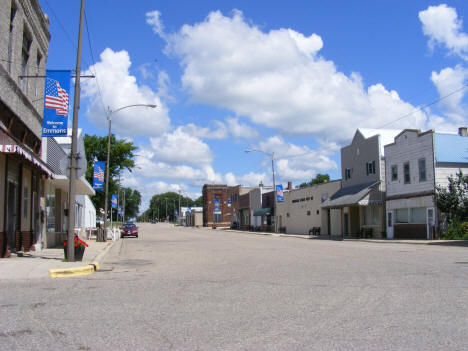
column 222, row 130
column 239, row 130
column 276, row 79
column 442, row 25
column 219, row 131
column 118, row 89
column 448, row 81
column 179, row 147
column 153, row 19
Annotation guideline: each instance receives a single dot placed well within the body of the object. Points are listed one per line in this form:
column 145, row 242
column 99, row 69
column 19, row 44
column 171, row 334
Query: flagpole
column 73, row 153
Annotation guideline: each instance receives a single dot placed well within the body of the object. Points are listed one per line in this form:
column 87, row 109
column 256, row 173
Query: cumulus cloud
column 119, row 88
column 299, row 163
column 222, row 130
column 179, row 147
column 277, row 79
column 443, row 27
column 451, row 80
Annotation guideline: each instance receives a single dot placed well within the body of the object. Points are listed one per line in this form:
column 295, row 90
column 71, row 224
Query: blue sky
column 295, row 77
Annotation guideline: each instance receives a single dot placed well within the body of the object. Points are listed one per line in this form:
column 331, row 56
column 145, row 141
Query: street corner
column 74, row 271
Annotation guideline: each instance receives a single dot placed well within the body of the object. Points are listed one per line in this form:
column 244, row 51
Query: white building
column 415, row 164
column 301, row 211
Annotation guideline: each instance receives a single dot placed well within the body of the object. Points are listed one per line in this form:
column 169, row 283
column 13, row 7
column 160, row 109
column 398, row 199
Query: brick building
column 217, row 205
column 24, row 44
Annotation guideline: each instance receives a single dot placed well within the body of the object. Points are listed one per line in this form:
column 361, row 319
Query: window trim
column 419, row 169
column 394, row 176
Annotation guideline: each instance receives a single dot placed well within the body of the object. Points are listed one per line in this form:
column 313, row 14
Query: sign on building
column 56, row 91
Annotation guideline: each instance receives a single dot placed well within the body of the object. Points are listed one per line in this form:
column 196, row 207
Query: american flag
column 55, row 97
column 99, row 174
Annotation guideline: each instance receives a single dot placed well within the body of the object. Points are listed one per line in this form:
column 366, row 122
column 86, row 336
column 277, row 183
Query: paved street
column 198, row 289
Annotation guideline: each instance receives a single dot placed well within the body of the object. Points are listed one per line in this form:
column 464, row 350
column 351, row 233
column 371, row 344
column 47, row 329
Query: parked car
column 129, row 229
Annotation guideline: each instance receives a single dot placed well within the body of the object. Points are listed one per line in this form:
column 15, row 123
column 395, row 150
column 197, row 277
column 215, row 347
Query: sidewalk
column 339, row 238
column 36, row 264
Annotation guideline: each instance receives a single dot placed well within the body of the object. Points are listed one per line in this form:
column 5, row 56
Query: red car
column 129, row 230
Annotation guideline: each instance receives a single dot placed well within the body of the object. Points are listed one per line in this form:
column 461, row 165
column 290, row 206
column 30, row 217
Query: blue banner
column 114, row 200
column 119, row 210
column 98, row 175
column 216, row 205
column 56, row 92
column 279, row 193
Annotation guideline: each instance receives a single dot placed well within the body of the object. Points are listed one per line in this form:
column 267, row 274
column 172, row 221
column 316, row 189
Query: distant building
column 217, row 206
column 55, row 153
column 301, row 211
column 416, row 163
column 194, row 218
column 24, row 44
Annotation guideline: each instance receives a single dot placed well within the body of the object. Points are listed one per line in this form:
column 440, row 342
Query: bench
column 314, row 231
column 366, row 233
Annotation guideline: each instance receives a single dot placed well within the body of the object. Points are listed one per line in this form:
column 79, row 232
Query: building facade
column 416, row 163
column 24, row 44
column 361, row 199
column 301, row 211
column 217, row 206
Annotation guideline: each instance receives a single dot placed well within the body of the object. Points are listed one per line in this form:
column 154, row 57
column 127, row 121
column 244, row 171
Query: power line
column 94, row 63
column 62, row 27
column 388, row 123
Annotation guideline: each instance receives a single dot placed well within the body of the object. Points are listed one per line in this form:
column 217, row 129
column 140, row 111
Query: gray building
column 361, row 199
column 24, row 43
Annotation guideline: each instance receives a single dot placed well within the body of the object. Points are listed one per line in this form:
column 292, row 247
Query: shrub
column 457, row 231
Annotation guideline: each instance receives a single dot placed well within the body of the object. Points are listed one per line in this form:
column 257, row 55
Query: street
column 199, row 289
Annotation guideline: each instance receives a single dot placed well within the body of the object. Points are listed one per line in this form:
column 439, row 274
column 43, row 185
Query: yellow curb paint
column 72, row 272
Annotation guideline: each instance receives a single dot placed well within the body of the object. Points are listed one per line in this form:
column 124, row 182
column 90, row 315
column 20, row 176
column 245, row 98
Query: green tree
column 319, row 178
column 453, row 200
column 121, row 157
column 132, row 202
column 157, row 207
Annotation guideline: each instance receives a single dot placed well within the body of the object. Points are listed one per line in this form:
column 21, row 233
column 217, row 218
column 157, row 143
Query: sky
column 293, row 78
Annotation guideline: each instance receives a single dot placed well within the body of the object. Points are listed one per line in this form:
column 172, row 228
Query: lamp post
column 272, row 155
column 109, row 119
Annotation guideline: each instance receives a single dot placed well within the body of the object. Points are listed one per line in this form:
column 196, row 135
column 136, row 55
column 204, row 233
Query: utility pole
column 166, row 208
column 123, row 206
column 179, row 208
column 73, row 153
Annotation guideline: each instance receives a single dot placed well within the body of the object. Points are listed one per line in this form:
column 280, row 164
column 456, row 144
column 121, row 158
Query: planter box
column 79, row 252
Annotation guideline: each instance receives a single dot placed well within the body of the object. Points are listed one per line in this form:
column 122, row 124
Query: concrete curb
column 375, row 241
column 74, row 271
column 82, row 270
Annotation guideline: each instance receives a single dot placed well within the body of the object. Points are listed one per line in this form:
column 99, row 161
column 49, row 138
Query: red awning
column 16, row 149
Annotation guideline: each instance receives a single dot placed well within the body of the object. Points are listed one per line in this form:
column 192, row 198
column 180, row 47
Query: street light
column 109, row 119
column 272, row 155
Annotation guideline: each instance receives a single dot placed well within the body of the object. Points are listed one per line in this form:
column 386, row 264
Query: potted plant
column 80, row 246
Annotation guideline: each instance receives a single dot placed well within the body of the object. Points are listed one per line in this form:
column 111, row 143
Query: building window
column 422, row 169
column 318, row 212
column 308, row 213
column 287, row 214
column 406, row 173
column 418, row 215
column 217, row 218
column 370, row 215
column 347, row 173
column 394, row 172
column 38, row 64
column 370, row 167
column 10, row 37
column 50, row 212
column 401, row 215
column 24, row 60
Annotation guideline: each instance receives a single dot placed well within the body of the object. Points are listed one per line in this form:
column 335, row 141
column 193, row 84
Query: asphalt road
column 197, row 289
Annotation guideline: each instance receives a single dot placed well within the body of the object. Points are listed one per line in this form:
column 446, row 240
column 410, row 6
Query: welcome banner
column 56, row 92
column 98, row 175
